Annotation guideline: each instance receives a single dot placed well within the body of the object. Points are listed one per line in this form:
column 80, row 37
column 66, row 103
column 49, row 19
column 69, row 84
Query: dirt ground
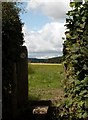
column 55, row 95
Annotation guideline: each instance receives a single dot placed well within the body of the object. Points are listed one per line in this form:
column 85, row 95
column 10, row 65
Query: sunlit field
column 45, row 81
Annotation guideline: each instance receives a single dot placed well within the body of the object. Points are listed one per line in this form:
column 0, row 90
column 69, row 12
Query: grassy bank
column 45, row 81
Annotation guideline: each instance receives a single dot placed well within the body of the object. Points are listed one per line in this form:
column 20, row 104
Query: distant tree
column 12, row 40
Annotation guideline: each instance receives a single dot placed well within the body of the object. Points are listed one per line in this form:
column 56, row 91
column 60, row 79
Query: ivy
column 75, row 50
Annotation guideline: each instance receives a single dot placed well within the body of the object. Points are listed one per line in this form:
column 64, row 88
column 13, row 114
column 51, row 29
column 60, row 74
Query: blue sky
column 34, row 20
column 44, row 27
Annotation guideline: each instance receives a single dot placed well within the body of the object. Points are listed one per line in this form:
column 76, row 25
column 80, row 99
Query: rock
column 40, row 110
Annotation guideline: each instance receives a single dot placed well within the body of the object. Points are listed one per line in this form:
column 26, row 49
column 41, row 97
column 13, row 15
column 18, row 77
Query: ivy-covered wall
column 76, row 59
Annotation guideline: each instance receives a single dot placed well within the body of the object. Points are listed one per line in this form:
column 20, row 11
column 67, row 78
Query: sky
column 44, row 28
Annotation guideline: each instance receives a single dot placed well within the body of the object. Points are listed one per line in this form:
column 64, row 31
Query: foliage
column 11, row 30
column 76, row 60
column 12, row 40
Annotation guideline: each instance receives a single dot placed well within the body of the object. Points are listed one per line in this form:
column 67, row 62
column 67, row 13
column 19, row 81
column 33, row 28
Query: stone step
column 35, row 110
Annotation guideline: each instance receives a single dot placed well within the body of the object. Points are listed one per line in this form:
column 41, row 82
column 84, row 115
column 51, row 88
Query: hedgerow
column 76, row 61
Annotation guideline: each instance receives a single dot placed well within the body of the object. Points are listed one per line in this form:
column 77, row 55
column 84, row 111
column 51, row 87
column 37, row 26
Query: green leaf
column 82, row 25
column 81, row 103
column 77, row 89
column 85, row 115
column 68, row 35
column 86, row 96
column 85, row 81
column 80, row 115
column 77, row 82
column 72, row 4
column 73, row 38
column 83, row 19
column 85, row 67
column 79, row 30
column 83, row 92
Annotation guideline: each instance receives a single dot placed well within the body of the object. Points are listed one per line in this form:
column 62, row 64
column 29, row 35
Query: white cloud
column 47, row 40
column 56, row 9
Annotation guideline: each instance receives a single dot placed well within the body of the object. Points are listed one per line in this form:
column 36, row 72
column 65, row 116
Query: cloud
column 45, row 42
column 56, row 9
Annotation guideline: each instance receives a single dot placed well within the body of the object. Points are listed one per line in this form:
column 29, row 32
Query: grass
column 45, row 81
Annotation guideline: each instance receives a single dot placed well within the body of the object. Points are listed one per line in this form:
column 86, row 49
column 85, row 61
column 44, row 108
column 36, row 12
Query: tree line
column 48, row 60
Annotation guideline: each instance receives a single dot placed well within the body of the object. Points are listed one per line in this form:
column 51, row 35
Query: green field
column 45, row 81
